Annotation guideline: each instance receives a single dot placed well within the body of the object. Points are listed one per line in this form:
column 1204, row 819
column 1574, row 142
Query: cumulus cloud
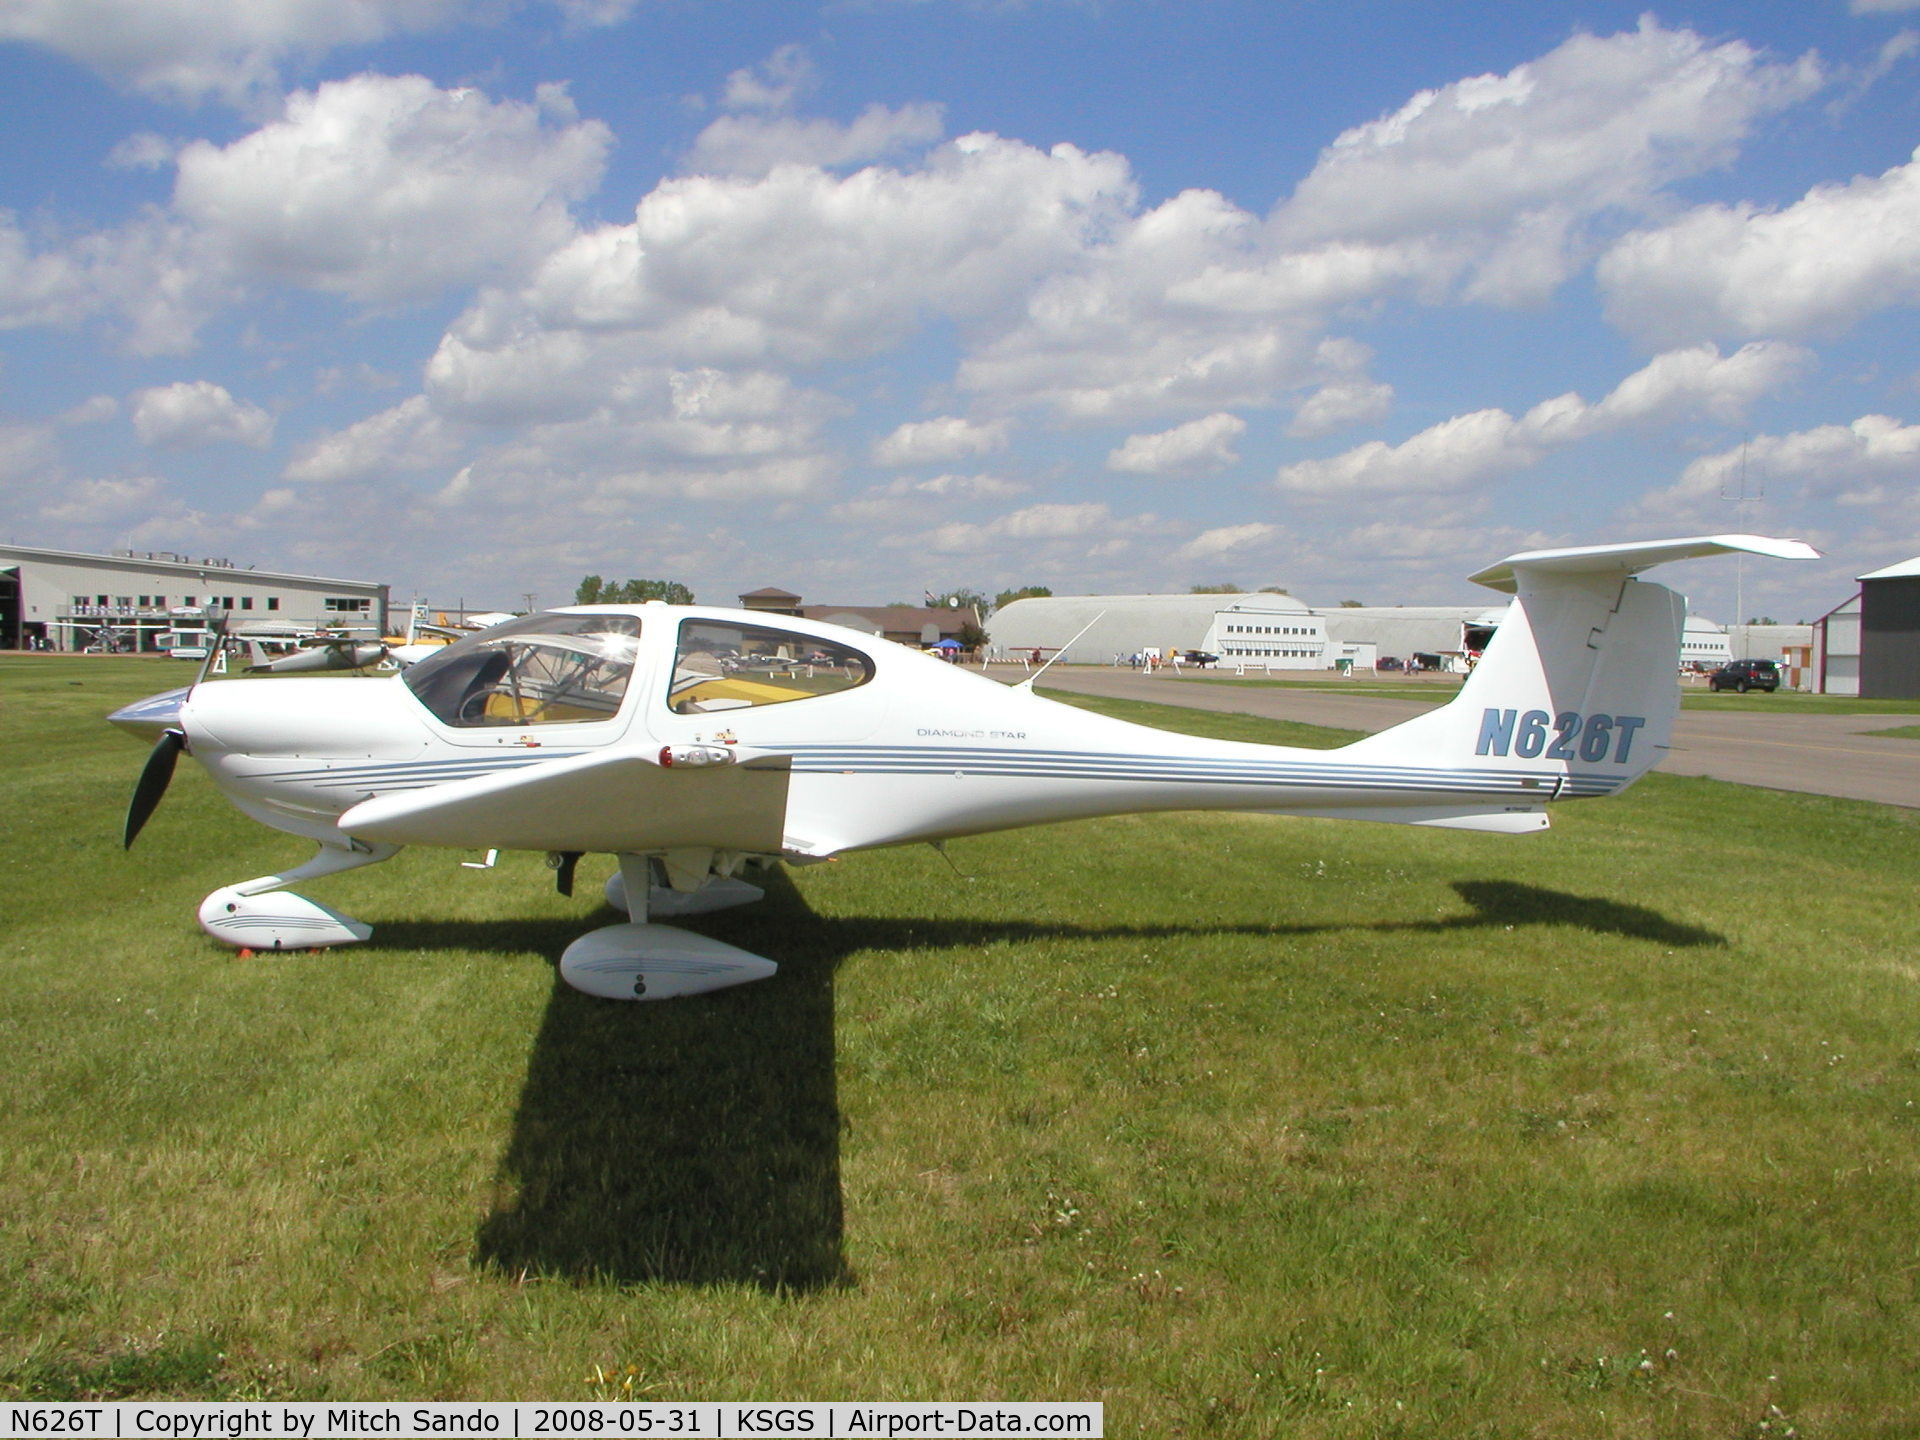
column 754, row 144
column 1341, row 405
column 1493, row 189
column 1444, row 458
column 938, row 441
column 906, row 499
column 798, row 267
column 191, row 414
column 1062, row 292
column 651, row 434
column 1467, row 450
column 1872, row 461
column 1204, row 444
column 1081, row 524
column 1498, row 176
column 388, row 188
column 91, row 411
column 407, row 437
column 1814, row 268
column 144, row 151
column 86, row 500
column 1347, row 396
column 762, row 132
column 188, row 51
column 381, row 189
column 775, row 83
column 1210, row 544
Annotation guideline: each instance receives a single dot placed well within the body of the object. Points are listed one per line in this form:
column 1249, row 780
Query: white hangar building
column 1277, row 629
column 1274, row 631
column 70, row 599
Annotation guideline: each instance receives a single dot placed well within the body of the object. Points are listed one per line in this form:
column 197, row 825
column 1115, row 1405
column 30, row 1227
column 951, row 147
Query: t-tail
column 1576, row 693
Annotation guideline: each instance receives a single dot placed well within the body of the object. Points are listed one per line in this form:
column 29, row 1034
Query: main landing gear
column 643, row 961
column 635, row 961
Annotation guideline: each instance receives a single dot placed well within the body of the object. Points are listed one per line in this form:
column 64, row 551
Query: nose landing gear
column 259, row 915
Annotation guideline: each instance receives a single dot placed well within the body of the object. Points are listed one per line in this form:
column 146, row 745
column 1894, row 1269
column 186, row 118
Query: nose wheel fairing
column 277, row 920
column 258, row 915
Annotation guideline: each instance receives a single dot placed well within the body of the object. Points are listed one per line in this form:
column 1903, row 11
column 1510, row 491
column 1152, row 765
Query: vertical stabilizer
column 1578, row 687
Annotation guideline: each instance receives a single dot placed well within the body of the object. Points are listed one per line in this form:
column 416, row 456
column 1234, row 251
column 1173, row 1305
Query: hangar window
column 724, row 665
column 542, row 669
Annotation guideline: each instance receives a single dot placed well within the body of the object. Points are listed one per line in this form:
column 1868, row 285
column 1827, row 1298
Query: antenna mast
column 1739, row 493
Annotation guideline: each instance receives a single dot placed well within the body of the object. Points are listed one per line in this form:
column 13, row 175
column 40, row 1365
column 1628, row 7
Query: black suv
column 1745, row 675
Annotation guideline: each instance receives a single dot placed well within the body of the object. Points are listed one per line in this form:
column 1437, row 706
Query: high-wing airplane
column 696, row 744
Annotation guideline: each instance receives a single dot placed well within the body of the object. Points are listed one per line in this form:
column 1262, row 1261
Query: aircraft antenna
column 216, row 623
column 1027, row 684
column 1740, row 496
column 941, row 846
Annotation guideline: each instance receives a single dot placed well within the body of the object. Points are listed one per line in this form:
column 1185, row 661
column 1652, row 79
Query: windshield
column 542, row 669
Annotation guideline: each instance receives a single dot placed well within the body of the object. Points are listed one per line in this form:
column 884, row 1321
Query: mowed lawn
column 1245, row 1126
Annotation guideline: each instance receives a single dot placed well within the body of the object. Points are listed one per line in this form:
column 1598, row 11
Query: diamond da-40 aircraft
column 697, row 744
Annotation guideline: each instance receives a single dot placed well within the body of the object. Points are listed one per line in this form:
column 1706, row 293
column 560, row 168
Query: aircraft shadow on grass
column 699, row 1142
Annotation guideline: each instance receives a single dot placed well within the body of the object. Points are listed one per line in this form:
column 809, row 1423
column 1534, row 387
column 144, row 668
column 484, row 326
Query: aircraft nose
column 151, row 717
column 305, row 715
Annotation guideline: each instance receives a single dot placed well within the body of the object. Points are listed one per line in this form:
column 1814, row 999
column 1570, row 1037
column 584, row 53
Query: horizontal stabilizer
column 1635, row 556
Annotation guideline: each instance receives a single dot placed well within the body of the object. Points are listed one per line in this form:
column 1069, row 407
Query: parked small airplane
column 696, row 744
column 308, row 651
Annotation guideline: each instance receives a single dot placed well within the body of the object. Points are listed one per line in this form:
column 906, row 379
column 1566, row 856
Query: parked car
column 1387, row 662
column 1745, row 675
column 1198, row 657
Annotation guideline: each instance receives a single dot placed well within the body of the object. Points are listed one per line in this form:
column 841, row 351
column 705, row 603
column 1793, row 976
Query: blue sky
column 865, row 299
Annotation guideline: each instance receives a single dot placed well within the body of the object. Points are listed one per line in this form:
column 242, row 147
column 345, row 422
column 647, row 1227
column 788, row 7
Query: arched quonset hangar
column 1275, row 631
column 1100, row 629
column 1705, row 643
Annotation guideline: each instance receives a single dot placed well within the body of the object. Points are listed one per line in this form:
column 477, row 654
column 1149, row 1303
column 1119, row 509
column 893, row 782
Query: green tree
column 1025, row 592
column 1221, row 589
column 961, row 599
column 595, row 591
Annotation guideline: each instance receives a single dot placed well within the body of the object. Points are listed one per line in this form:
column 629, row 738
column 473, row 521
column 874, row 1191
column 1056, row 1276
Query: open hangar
column 1869, row 644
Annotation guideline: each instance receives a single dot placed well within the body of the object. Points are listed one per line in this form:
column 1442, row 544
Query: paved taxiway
column 1818, row 754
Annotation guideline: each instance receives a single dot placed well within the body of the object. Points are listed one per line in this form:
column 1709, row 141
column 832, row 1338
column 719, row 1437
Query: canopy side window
column 725, row 665
column 542, row 669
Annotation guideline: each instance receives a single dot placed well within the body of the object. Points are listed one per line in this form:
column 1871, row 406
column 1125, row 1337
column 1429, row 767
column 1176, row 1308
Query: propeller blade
column 153, row 782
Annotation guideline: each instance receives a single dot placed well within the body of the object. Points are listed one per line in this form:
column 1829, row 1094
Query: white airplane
column 696, row 743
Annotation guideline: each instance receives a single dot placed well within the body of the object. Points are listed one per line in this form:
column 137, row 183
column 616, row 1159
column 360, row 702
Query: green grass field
column 1245, row 1126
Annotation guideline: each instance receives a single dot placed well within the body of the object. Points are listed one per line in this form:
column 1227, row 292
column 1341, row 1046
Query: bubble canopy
column 547, row 668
